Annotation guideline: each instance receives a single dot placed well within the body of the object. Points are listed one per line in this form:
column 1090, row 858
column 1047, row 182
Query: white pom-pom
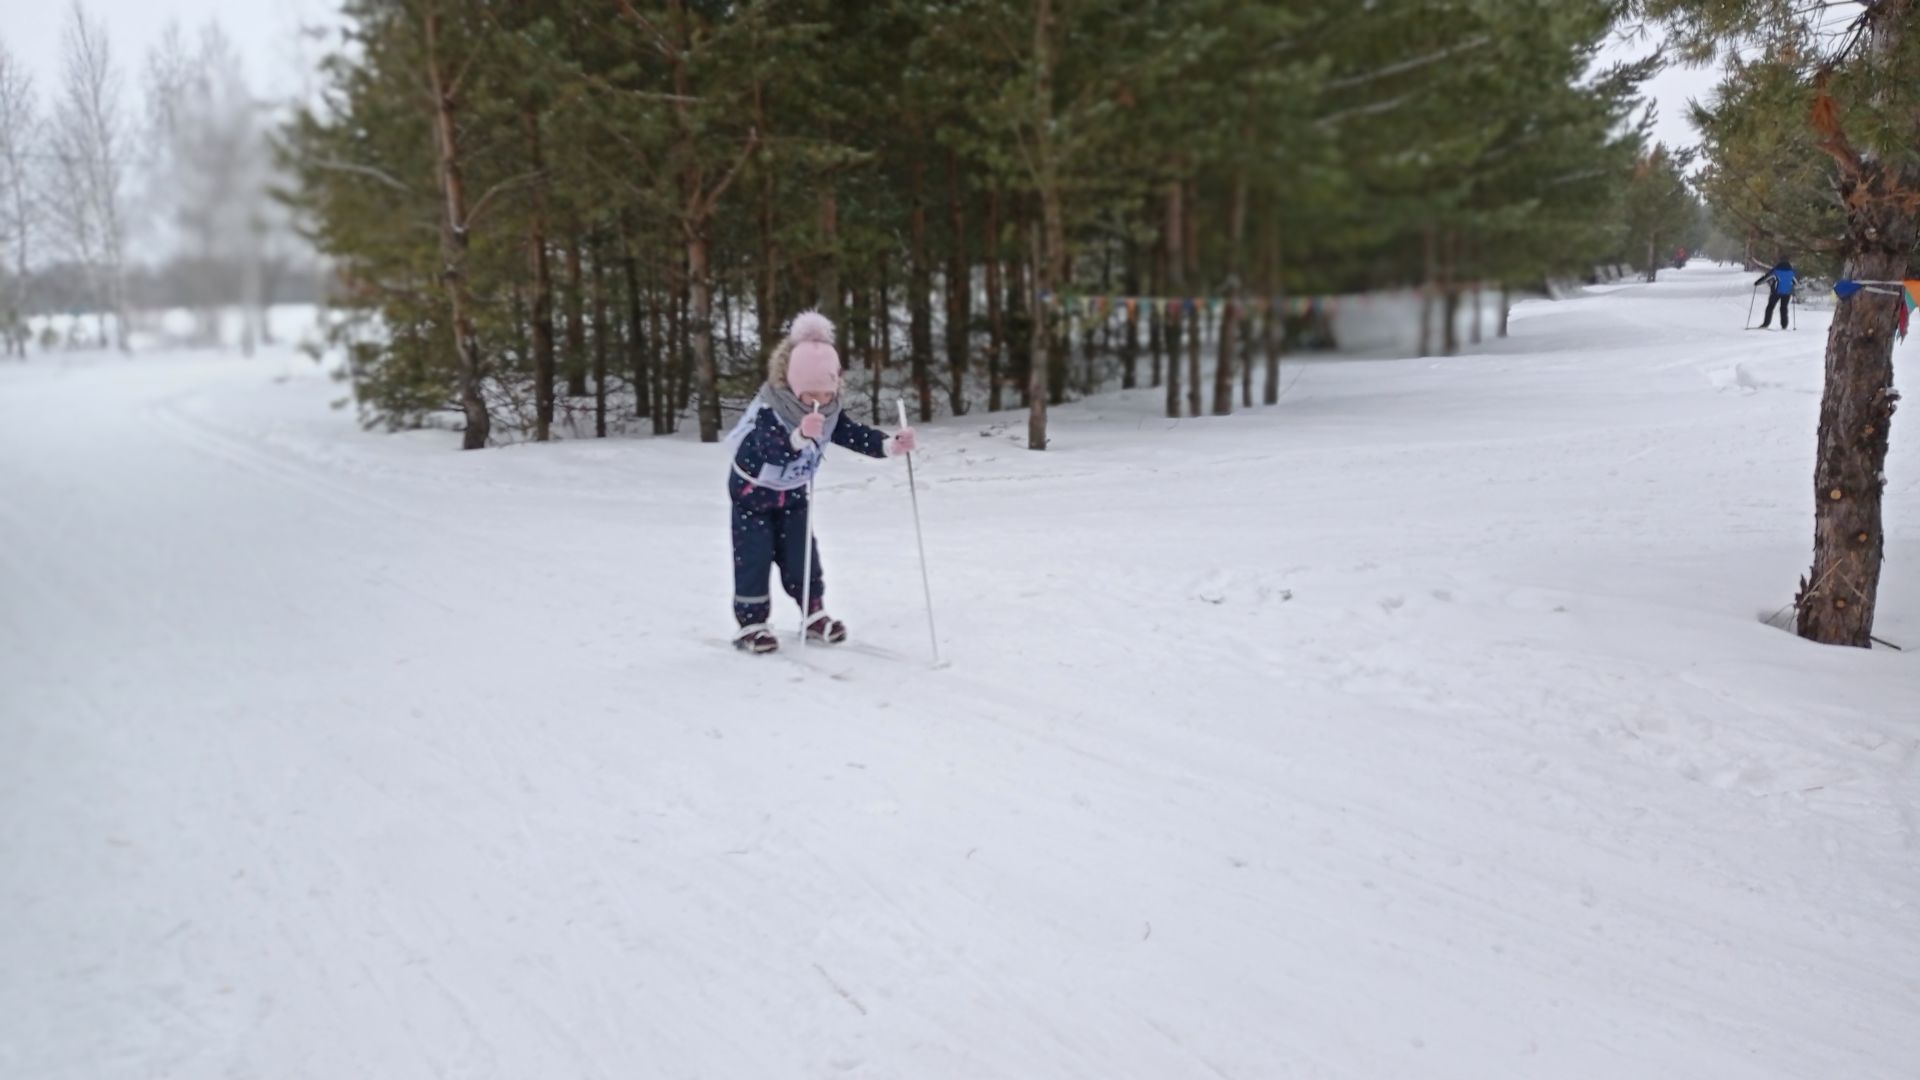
column 811, row 326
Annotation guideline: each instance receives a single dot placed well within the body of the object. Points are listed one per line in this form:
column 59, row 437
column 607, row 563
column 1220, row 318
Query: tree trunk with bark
column 996, row 317
column 1230, row 310
column 576, row 320
column 920, row 296
column 1175, row 239
column 454, row 242
column 1838, row 596
column 603, row 333
column 959, row 290
column 542, row 300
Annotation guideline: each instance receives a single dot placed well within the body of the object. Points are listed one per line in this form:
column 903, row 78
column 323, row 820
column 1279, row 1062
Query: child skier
column 1782, row 275
column 782, row 438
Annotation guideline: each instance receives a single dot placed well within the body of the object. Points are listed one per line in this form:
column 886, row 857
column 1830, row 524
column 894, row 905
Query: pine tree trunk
column 543, row 366
column 959, row 290
column 1195, row 332
column 1048, row 240
column 1156, row 312
column 996, row 314
column 1223, row 356
column 1506, row 308
column 1230, row 310
column 1273, row 322
column 1248, row 354
column 1055, row 319
column 1059, row 342
column 1021, row 304
column 884, row 355
column 653, row 353
column 1089, row 347
column 1426, row 292
column 1037, row 347
column 1195, row 387
column 1176, row 283
column 858, row 352
column 1479, row 311
column 766, row 294
column 1450, row 289
column 1130, row 344
column 1100, row 336
column 700, row 331
column 640, row 342
column 1272, row 337
column 454, row 241
column 602, row 335
column 1838, row 596
column 682, row 362
column 920, row 297
column 576, row 332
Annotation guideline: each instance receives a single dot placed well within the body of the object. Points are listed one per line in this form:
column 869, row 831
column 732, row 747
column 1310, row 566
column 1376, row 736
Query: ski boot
column 824, row 628
column 756, row 639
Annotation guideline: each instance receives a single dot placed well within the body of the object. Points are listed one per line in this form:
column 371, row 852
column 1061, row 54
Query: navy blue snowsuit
column 770, row 522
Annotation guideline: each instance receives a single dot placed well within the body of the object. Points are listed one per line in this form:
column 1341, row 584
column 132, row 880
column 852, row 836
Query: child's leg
column 753, row 555
column 790, row 548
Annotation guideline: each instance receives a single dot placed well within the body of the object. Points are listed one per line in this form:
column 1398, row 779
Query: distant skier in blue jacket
column 1783, row 276
column 781, row 439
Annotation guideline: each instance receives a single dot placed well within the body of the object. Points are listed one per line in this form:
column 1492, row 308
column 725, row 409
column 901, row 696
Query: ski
column 803, row 658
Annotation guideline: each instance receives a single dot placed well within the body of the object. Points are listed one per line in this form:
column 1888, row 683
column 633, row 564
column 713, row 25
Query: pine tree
column 1863, row 98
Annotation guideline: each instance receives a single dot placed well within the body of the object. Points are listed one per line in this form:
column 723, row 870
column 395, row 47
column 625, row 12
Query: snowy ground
column 1421, row 726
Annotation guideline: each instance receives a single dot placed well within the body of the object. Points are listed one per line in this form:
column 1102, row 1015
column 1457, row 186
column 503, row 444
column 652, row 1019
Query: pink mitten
column 812, row 425
column 904, row 441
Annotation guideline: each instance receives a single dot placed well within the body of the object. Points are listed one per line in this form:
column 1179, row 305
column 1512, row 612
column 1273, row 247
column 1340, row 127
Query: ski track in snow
column 1422, row 725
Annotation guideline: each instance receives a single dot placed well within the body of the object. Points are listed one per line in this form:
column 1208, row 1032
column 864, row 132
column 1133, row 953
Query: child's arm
column 769, row 443
column 859, row 437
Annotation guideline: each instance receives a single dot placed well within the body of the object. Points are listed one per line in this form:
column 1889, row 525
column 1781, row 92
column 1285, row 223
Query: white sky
column 1670, row 90
column 264, row 32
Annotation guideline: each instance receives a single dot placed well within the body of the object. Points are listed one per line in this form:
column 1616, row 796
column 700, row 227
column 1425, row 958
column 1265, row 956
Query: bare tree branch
column 368, row 171
column 1414, row 64
column 508, row 184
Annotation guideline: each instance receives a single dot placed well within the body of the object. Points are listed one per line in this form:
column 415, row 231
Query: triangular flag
column 1844, row 289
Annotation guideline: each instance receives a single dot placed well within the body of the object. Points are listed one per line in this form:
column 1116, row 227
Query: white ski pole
column 926, row 586
column 806, row 561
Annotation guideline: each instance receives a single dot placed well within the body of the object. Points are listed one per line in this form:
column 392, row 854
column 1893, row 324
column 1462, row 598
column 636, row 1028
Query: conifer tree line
column 573, row 216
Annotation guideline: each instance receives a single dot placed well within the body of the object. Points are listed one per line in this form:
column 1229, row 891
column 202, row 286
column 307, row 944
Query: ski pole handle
column 902, row 402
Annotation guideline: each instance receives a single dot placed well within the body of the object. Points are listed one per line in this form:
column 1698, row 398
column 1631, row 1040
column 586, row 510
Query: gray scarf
column 787, row 406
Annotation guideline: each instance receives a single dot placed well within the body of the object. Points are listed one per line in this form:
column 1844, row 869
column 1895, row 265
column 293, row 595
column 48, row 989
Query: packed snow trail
column 1423, row 725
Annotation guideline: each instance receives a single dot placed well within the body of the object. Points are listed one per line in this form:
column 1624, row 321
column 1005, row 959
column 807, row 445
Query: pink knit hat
column 812, row 365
